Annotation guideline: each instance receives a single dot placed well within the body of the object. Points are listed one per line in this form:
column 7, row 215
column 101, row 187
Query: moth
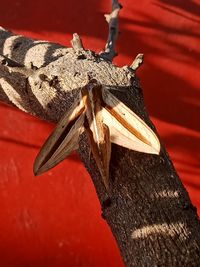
column 106, row 120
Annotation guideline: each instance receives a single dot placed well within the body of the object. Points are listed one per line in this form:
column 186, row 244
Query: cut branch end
column 137, row 62
column 76, row 42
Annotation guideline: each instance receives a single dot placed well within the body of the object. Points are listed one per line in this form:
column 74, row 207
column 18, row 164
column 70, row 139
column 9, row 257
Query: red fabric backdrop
column 55, row 219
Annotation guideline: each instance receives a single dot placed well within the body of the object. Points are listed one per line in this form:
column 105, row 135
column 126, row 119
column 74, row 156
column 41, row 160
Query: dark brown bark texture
column 147, row 207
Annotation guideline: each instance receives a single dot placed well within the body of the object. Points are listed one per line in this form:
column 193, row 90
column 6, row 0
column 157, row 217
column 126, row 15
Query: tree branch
column 147, row 207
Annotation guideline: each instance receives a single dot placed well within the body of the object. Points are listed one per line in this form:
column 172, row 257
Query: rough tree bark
column 147, row 207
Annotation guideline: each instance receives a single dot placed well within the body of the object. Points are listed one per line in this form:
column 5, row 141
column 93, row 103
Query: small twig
column 16, row 67
column 109, row 53
column 137, row 62
column 77, row 42
column 9, row 62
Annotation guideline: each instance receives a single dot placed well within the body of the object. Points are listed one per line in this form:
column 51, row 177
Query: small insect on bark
column 106, row 120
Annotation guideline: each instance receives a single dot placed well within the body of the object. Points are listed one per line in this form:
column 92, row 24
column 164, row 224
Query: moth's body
column 97, row 132
column 105, row 119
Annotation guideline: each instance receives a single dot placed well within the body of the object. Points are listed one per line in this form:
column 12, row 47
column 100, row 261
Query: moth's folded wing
column 101, row 151
column 106, row 153
column 126, row 128
column 63, row 140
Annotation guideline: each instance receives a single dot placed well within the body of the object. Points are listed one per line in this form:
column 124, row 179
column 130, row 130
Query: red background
column 55, row 219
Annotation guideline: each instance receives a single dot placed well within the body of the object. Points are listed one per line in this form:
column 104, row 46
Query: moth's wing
column 106, row 154
column 63, row 140
column 101, row 152
column 69, row 144
column 126, row 128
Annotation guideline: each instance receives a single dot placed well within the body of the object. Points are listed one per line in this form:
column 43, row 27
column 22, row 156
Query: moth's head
column 92, row 83
column 92, row 91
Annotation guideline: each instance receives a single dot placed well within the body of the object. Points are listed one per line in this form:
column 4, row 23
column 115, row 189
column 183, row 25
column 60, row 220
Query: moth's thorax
column 92, row 96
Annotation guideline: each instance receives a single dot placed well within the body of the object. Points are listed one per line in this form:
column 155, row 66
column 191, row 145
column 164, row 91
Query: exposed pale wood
column 137, row 62
column 77, row 42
